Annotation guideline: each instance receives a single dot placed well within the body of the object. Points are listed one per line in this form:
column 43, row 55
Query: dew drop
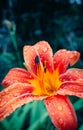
column 59, row 54
column 63, row 60
column 61, row 121
column 63, row 50
column 44, row 49
column 48, row 103
column 32, row 49
column 60, row 108
column 68, row 52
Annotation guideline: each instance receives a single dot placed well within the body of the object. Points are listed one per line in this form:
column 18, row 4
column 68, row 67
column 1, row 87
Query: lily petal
column 64, row 57
column 64, row 91
column 15, row 96
column 16, row 75
column 72, row 75
column 61, row 112
column 41, row 49
column 73, row 80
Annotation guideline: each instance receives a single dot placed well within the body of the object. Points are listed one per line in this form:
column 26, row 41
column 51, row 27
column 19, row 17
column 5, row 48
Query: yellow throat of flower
column 45, row 83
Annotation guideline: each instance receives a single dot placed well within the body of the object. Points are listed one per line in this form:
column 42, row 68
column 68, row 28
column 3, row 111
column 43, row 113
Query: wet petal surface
column 61, row 112
column 13, row 97
column 72, row 75
column 40, row 52
column 64, row 57
column 16, row 75
column 64, row 91
column 73, row 80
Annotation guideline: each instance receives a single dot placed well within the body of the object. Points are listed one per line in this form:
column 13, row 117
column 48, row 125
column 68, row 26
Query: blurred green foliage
column 59, row 23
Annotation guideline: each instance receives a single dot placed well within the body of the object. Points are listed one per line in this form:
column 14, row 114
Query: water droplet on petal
column 63, row 50
column 44, row 49
column 61, row 121
column 68, row 52
column 59, row 54
column 60, row 108
column 32, row 49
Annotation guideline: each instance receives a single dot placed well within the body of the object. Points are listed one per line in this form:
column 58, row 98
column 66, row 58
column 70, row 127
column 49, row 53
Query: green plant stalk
column 13, row 38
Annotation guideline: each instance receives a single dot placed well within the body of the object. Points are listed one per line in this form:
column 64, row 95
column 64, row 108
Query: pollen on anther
column 44, row 65
column 37, row 59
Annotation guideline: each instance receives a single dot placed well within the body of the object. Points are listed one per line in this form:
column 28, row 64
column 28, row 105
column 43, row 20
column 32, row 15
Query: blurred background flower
column 60, row 22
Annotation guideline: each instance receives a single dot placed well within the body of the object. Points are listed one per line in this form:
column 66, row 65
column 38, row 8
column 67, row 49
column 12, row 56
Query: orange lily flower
column 46, row 77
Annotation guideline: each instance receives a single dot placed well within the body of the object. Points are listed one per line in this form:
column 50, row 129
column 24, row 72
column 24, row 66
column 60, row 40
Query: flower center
column 45, row 83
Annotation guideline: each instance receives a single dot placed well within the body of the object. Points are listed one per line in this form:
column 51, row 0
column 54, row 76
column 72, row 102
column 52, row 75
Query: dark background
column 60, row 22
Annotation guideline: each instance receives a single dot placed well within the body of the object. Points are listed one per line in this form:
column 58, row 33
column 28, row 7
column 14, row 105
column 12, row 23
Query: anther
column 45, row 70
column 44, row 65
column 37, row 59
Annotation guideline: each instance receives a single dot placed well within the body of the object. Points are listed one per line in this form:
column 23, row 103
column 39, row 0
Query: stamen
column 44, row 66
column 37, row 59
